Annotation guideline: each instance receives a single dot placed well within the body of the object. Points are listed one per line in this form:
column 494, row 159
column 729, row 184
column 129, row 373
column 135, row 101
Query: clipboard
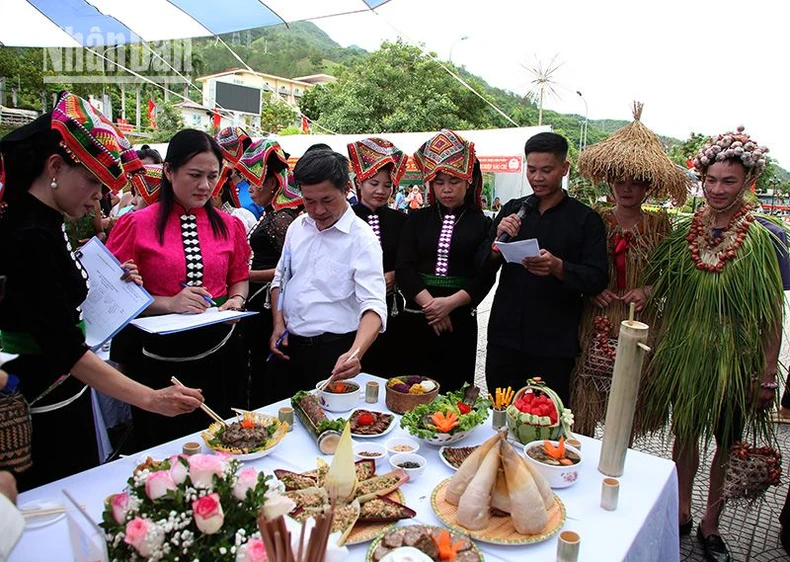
column 111, row 303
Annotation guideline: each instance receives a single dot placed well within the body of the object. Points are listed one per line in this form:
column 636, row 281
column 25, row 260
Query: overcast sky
column 698, row 66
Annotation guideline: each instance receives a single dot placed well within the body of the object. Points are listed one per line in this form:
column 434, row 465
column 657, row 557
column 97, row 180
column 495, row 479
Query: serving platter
column 500, row 530
column 389, row 427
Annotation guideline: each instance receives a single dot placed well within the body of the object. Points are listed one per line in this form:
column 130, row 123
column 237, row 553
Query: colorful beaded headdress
column 634, row 151
column 132, row 165
column 254, row 166
column 232, row 141
column 732, row 145
column 449, row 153
column 446, row 152
column 148, row 183
column 90, row 139
column 370, row 155
column 289, row 196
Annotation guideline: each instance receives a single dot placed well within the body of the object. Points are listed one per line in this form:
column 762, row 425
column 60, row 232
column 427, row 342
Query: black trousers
column 512, row 367
column 311, row 361
column 448, row 358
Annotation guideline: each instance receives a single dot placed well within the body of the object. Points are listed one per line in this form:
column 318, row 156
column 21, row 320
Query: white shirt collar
column 343, row 224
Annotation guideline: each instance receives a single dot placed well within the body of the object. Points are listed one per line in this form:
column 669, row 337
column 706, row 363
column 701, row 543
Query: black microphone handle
column 521, row 213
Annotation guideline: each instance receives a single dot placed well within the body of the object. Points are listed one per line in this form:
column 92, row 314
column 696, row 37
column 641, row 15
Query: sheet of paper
column 111, row 302
column 517, row 251
column 6, row 357
column 172, row 323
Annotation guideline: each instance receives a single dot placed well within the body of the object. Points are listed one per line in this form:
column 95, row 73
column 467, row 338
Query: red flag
column 216, row 120
column 305, row 125
column 152, row 113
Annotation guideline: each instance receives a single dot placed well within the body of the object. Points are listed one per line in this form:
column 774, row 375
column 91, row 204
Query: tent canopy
column 101, row 23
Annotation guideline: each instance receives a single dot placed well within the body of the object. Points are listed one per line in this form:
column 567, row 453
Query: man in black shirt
column 534, row 322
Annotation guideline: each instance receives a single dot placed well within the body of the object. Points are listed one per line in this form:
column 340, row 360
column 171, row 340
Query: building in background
column 235, row 97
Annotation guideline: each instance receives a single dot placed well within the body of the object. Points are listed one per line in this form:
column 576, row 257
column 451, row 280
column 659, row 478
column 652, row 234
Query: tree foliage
column 397, row 88
column 276, row 115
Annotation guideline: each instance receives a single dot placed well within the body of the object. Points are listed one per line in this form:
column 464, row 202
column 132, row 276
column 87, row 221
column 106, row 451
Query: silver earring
column 53, row 184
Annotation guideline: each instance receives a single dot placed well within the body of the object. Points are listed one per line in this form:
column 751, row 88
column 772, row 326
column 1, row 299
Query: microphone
column 528, row 205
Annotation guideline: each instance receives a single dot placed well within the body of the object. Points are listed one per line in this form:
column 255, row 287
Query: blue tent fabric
column 233, row 15
column 103, row 23
column 82, row 21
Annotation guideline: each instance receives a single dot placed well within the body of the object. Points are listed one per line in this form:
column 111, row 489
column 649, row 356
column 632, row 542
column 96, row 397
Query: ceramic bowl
column 414, row 473
column 377, row 452
column 557, row 476
column 338, row 402
column 398, row 445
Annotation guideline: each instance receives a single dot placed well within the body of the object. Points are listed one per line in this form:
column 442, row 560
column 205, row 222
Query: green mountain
column 296, row 50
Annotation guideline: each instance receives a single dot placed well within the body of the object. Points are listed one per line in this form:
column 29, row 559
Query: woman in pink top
column 188, row 254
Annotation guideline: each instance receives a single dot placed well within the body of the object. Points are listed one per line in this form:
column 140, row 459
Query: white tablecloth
column 643, row 528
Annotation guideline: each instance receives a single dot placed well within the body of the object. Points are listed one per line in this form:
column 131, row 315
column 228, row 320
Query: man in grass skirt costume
column 635, row 166
column 720, row 279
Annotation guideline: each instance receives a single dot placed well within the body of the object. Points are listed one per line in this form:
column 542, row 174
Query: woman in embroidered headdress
column 378, row 167
column 232, row 141
column 719, row 278
column 634, row 164
column 188, row 253
column 436, row 263
column 265, row 166
column 58, row 165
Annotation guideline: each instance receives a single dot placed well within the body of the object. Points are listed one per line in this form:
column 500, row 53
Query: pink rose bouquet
column 203, row 507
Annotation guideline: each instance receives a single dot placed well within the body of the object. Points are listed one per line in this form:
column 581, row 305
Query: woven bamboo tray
column 500, row 530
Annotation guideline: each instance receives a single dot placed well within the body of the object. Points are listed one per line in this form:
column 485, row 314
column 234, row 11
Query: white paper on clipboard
column 515, row 252
column 173, row 323
column 111, row 303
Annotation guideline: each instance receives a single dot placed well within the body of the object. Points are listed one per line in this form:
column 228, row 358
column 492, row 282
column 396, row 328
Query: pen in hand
column 277, row 345
column 207, row 299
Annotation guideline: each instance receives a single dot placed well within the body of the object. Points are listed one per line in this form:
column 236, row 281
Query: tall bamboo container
column 631, row 348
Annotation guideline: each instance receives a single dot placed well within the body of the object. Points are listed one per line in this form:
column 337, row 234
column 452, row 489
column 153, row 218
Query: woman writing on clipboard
column 56, row 166
column 191, row 257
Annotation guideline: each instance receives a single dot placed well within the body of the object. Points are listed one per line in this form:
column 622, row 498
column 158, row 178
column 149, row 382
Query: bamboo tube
column 622, row 398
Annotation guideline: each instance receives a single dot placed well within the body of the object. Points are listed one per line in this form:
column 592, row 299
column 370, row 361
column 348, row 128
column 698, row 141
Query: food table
column 643, row 528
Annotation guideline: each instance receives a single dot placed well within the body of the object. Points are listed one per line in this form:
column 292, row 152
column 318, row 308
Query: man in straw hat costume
column 634, row 164
column 720, row 278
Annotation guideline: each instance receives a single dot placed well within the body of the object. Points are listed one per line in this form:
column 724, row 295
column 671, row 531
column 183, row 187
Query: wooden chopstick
column 203, row 406
column 323, row 385
column 44, row 512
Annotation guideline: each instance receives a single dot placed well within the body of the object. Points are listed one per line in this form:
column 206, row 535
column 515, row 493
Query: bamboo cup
column 610, row 490
column 631, row 349
column 568, row 547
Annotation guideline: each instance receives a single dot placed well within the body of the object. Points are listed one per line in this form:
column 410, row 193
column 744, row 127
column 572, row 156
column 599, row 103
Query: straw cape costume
column 367, row 158
column 437, row 253
column 40, row 317
column 210, row 358
column 632, row 152
column 266, row 241
column 721, row 290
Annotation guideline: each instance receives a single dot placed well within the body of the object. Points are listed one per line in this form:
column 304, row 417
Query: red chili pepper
column 464, row 408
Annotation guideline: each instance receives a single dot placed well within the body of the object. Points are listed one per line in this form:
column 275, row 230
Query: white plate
column 445, row 461
column 44, row 520
column 390, row 427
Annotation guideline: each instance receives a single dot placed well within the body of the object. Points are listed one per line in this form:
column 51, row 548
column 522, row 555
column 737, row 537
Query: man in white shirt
column 331, row 278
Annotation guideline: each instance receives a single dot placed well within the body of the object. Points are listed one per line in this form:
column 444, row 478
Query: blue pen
column 277, row 345
column 207, row 299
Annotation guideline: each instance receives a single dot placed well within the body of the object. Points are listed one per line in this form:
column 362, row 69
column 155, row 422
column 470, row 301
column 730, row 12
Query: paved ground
column 752, row 534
